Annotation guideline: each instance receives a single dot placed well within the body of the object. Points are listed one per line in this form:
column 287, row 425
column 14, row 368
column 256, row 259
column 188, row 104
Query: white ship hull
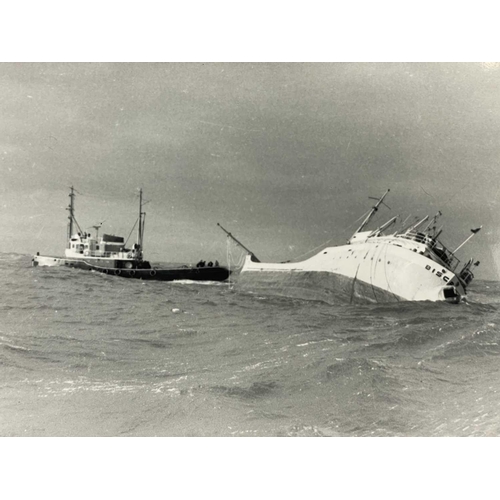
column 377, row 270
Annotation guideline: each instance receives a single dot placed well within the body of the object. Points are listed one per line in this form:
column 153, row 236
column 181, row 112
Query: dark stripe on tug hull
column 174, row 274
column 327, row 287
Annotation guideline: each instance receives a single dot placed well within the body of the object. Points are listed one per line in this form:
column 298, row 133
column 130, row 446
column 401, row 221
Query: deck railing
column 107, row 255
column 437, row 248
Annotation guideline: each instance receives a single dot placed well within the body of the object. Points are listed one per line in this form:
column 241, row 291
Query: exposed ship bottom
column 332, row 288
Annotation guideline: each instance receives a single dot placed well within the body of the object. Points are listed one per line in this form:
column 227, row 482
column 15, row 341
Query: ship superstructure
column 411, row 264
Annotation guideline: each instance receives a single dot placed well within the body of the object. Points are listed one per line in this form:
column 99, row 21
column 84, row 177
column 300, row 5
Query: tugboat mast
column 140, row 230
column 71, row 209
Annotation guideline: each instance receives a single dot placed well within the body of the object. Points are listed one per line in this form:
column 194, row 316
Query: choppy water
column 85, row 354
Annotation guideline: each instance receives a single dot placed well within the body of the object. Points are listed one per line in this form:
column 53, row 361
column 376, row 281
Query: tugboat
column 109, row 255
column 374, row 266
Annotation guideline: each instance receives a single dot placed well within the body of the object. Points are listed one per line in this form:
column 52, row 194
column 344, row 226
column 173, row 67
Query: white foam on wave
column 201, row 283
column 14, row 347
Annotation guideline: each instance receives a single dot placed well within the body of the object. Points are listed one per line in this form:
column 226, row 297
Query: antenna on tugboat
column 97, row 227
column 474, row 232
column 372, row 211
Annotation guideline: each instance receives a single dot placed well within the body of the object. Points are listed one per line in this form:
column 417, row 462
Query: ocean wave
column 13, row 347
column 365, row 376
column 214, row 360
column 15, row 257
column 480, row 342
column 348, row 368
column 304, row 430
column 255, row 390
column 155, row 343
column 199, row 283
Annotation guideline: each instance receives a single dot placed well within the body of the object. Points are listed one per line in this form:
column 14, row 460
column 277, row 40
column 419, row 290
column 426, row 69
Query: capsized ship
column 110, row 255
column 411, row 264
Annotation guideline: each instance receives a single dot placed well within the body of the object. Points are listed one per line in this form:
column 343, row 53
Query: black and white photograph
column 249, row 248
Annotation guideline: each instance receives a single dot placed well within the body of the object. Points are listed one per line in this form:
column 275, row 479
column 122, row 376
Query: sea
column 84, row 354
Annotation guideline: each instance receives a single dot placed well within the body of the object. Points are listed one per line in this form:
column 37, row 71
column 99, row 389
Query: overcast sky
column 283, row 155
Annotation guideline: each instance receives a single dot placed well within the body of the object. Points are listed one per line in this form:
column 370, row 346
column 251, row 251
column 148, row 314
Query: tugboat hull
column 115, row 267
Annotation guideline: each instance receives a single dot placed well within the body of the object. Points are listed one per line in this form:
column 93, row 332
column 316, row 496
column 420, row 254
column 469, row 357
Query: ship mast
column 372, row 212
column 140, row 230
column 71, row 209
